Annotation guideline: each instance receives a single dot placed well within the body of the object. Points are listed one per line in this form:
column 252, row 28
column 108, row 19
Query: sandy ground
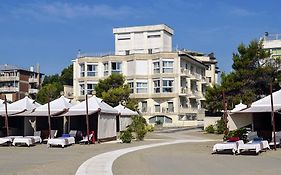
column 196, row 159
column 187, row 158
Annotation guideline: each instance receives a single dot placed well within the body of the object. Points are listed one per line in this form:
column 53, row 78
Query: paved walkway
column 102, row 164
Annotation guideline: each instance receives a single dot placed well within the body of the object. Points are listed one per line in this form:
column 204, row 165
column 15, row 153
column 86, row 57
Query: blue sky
column 51, row 32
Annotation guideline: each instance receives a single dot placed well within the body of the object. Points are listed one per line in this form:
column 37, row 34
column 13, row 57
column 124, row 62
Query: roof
column 20, row 106
column 9, row 67
column 239, row 107
column 122, row 110
column 57, row 106
column 264, row 104
column 95, row 104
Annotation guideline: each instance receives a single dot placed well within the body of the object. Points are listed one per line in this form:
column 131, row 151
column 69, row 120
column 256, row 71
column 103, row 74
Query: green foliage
column 53, row 85
column 113, row 90
column 220, row 126
column 249, row 80
column 126, row 136
column 149, row 128
column 138, row 126
column 241, row 133
column 210, row 129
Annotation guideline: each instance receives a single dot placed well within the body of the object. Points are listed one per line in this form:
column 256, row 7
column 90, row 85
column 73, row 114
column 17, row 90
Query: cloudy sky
column 50, row 33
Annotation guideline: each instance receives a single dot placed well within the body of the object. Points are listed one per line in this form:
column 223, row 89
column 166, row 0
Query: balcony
column 33, row 80
column 9, row 89
column 9, row 78
column 184, row 110
column 33, row 91
column 185, row 72
column 183, row 91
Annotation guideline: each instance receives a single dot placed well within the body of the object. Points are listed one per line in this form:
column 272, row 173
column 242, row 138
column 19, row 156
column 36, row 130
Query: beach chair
column 36, row 137
column 227, row 146
column 278, row 138
column 23, row 141
column 85, row 139
column 72, row 133
column 61, row 141
column 257, row 145
column 252, row 135
column 8, row 140
column 53, row 135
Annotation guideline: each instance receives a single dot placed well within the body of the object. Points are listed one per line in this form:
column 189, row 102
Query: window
column 156, row 84
column 141, row 87
column 82, row 89
column 82, row 70
column 153, row 36
column 168, row 85
column 157, row 108
column 92, row 70
column 209, row 79
column 105, row 69
column 127, row 52
column 131, row 86
column 156, row 67
column 116, row 67
column 149, row 51
column 143, row 106
column 170, row 107
column 90, row 88
column 168, row 66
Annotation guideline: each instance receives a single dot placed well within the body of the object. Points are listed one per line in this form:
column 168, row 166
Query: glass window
column 90, row 88
column 116, row 67
column 168, row 66
column 157, row 108
column 92, row 70
column 141, row 87
column 144, row 106
column 82, row 89
column 82, row 70
column 156, row 84
column 156, row 67
column 131, row 86
column 170, row 107
column 168, row 85
column 105, row 69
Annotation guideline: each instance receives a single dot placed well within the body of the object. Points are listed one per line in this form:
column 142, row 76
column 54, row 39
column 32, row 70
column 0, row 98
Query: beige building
column 272, row 42
column 169, row 85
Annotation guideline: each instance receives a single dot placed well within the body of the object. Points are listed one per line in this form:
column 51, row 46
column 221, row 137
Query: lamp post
column 272, row 115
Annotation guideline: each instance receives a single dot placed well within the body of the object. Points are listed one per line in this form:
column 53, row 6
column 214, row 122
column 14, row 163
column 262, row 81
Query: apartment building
column 16, row 82
column 169, row 85
column 272, row 42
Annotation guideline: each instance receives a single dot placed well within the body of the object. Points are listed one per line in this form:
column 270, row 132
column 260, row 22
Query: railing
column 272, row 37
column 33, row 80
column 33, row 91
column 9, row 89
column 9, row 78
column 183, row 90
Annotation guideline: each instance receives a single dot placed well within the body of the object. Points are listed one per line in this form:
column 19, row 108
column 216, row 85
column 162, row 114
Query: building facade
column 272, row 42
column 169, row 85
column 16, row 82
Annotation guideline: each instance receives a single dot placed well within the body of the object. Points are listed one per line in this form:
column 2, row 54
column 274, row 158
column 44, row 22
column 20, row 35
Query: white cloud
column 62, row 11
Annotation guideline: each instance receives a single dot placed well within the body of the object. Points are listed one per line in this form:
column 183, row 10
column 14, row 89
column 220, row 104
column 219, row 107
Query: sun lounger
column 85, row 139
column 256, row 146
column 61, row 141
column 23, row 141
column 278, row 138
column 36, row 137
column 233, row 146
column 8, row 140
column 53, row 135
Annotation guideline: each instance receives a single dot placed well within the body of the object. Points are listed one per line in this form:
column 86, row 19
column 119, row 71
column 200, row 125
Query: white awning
column 122, row 110
column 256, row 109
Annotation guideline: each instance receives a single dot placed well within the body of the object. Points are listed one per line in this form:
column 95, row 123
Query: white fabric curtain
column 106, row 125
column 124, row 122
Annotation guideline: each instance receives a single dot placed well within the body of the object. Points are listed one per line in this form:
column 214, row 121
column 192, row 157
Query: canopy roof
column 1, row 103
column 95, row 104
column 239, row 107
column 57, row 107
column 20, row 106
column 264, row 104
column 122, row 110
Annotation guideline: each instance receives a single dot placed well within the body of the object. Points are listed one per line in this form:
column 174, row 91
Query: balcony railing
column 9, row 89
column 9, row 78
column 33, row 91
column 33, row 80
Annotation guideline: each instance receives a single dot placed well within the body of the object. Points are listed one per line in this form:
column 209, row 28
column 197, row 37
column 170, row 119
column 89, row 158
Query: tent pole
column 272, row 116
column 6, row 116
column 225, row 113
column 49, row 117
column 87, row 118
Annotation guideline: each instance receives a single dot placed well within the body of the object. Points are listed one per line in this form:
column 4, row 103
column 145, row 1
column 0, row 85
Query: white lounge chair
column 36, row 137
column 232, row 146
column 252, row 145
column 61, row 141
column 53, row 135
column 252, row 135
column 278, row 138
column 72, row 133
column 23, row 141
column 8, row 140
column 85, row 139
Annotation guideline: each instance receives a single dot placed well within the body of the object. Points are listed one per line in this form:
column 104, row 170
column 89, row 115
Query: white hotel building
column 169, row 85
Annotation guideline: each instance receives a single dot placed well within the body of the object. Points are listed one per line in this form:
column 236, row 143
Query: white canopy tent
column 237, row 121
column 124, row 116
column 1, row 103
column 106, row 116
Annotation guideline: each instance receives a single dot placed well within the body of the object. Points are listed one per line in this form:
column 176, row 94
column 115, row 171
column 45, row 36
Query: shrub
column 220, row 126
column 139, row 127
column 210, row 129
column 149, row 128
column 126, row 136
column 241, row 133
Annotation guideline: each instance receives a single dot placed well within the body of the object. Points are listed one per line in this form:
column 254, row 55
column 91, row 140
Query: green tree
column 66, row 77
column 249, row 80
column 113, row 90
column 51, row 91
